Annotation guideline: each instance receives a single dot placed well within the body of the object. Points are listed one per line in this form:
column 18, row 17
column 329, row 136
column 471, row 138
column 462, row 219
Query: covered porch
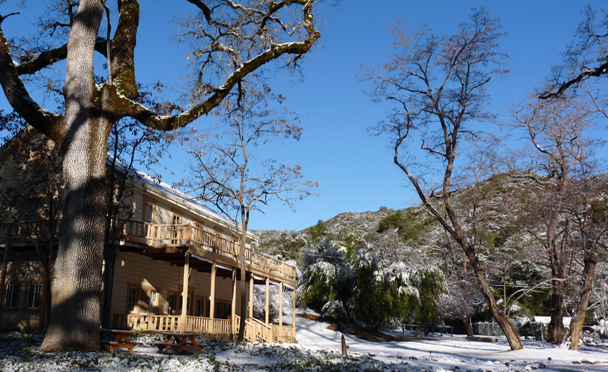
column 193, row 249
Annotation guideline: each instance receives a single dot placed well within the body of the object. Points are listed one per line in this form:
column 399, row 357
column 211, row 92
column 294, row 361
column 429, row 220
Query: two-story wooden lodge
column 169, row 247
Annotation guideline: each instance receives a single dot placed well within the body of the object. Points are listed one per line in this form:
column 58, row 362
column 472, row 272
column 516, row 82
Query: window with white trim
column 11, row 296
column 149, row 217
column 33, row 296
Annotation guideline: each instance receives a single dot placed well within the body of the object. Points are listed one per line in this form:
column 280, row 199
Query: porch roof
column 202, row 262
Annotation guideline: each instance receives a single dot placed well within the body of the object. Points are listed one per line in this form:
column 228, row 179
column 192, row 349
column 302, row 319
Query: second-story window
column 149, row 212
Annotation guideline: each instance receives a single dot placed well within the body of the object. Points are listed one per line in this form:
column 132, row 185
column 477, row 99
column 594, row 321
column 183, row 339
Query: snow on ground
column 318, row 349
column 447, row 353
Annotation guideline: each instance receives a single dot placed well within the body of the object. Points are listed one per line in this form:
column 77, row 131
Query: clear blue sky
column 355, row 170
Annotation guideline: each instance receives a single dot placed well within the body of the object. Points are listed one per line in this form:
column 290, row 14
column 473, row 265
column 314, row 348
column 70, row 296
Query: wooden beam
column 184, row 316
column 168, row 249
column 281, row 306
column 233, row 263
column 212, row 296
column 233, row 309
column 273, row 277
column 267, row 302
column 251, row 296
column 293, row 315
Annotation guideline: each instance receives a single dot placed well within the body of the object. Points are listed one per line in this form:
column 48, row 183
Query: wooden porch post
column 293, row 315
column 188, row 232
column 212, row 298
column 281, row 306
column 183, row 317
column 233, row 310
column 267, row 304
column 251, row 296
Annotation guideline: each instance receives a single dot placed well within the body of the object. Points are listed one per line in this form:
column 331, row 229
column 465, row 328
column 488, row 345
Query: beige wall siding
column 135, row 270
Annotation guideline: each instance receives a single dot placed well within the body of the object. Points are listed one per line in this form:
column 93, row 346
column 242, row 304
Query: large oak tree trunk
column 76, row 283
column 555, row 331
column 580, row 311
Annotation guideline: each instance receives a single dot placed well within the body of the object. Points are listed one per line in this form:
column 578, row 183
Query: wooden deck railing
column 151, row 322
column 262, row 330
column 160, row 323
column 171, row 235
column 27, row 229
column 250, row 329
column 254, row 328
column 283, row 333
column 154, row 234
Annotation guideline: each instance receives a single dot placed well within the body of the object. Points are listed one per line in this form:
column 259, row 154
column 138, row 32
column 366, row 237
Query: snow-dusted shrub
column 373, row 300
column 333, row 309
column 430, row 282
column 393, row 220
column 319, row 285
column 383, row 294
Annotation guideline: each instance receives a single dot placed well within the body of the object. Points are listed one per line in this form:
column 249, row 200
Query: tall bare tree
column 438, row 84
column 590, row 217
column 229, row 173
column 562, row 157
column 231, row 41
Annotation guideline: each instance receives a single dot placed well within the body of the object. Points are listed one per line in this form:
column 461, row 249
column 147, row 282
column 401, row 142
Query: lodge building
column 167, row 248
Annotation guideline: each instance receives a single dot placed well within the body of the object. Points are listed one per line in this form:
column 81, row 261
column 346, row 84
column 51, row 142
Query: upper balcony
column 156, row 240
